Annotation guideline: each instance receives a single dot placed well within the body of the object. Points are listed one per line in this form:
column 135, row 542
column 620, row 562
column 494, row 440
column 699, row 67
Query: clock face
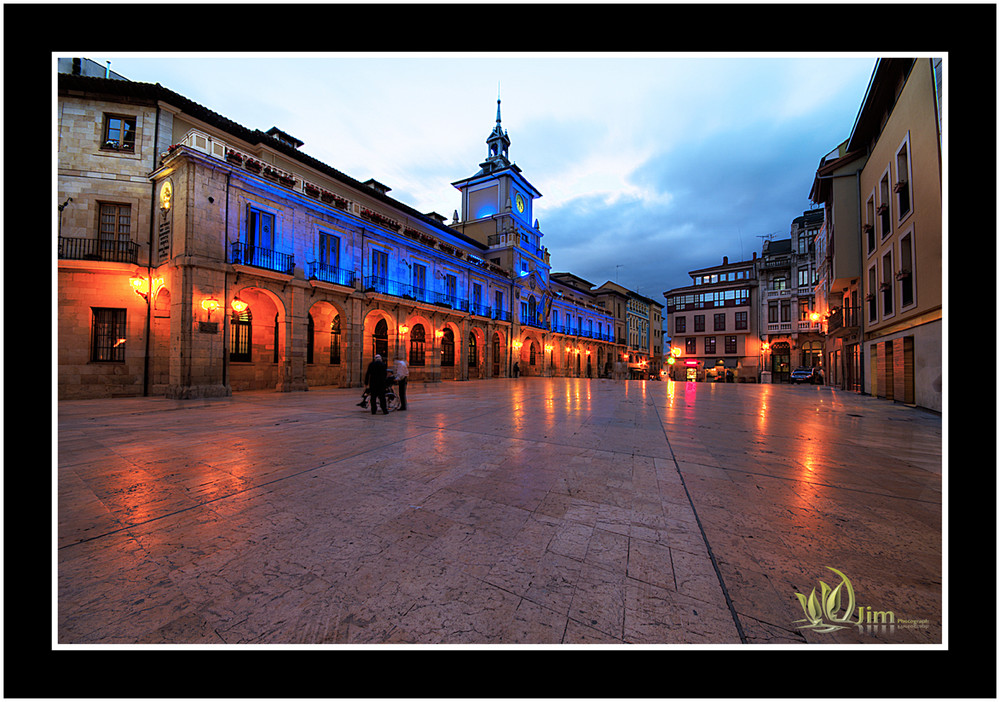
column 520, row 202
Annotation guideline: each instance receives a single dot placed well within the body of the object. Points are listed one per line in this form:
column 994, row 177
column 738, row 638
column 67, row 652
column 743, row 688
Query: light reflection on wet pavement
column 529, row 511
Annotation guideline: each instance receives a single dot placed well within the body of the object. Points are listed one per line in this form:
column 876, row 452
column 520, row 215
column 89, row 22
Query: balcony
column 116, row 251
column 331, row 274
column 480, row 310
column 258, row 257
column 845, row 319
column 395, row 288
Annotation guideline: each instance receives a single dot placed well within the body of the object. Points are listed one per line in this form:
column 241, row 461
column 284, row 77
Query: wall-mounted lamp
column 140, row 286
column 548, row 347
column 403, row 329
column 516, row 345
column 238, row 305
column 210, row 305
column 439, row 333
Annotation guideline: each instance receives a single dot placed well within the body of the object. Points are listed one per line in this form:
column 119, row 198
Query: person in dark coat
column 375, row 380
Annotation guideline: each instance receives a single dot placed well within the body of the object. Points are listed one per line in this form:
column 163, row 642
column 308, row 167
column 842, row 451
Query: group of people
column 376, row 381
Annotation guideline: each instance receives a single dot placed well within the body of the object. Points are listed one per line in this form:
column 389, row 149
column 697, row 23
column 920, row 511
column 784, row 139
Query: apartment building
column 198, row 257
column 884, row 246
column 713, row 322
column 791, row 326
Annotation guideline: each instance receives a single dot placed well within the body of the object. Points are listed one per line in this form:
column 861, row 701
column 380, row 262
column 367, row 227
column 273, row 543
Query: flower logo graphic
column 823, row 611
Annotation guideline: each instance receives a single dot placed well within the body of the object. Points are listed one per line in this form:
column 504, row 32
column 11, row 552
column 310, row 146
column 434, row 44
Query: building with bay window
column 713, row 323
column 197, row 257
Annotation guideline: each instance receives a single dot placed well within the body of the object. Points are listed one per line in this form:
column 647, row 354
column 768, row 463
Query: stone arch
column 386, row 345
column 268, row 340
column 326, row 364
column 476, row 353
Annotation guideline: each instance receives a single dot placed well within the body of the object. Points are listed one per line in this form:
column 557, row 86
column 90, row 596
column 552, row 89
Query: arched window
column 473, row 351
column 531, row 354
column 240, row 336
column 448, row 348
column 380, row 340
column 532, row 310
column 417, row 345
column 335, row 341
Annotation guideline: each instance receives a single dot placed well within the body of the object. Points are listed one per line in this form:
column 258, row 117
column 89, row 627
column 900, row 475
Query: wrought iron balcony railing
column 117, row 251
column 387, row 286
column 259, row 257
column 331, row 274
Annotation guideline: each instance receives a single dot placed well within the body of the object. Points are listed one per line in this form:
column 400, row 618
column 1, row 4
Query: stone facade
column 160, row 192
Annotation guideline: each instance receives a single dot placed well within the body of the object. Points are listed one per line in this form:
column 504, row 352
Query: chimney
column 725, row 260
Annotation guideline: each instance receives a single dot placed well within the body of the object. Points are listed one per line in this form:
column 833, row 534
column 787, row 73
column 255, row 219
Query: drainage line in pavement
column 704, row 537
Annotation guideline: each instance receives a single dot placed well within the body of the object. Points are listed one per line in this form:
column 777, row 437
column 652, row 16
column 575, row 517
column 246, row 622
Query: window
column 689, row 345
column 779, row 284
column 869, row 225
column 699, row 322
column 906, row 270
column 329, row 250
column 448, row 348
column 260, row 229
column 772, row 312
column 450, row 288
column 107, row 335
column 805, row 277
column 709, row 344
column 741, row 320
column 335, row 341
column 531, row 354
column 310, row 338
column 885, row 221
column 119, row 134
column 680, row 324
column 240, row 336
column 871, row 298
column 380, row 265
column 114, row 228
column 380, row 339
column 498, row 301
column 473, row 351
column 419, row 281
column 720, row 322
column 417, row 353
column 902, row 186
column 477, row 298
column 887, row 284
column 730, row 344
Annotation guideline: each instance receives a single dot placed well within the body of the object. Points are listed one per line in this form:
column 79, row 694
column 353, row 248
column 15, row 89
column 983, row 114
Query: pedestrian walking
column 517, row 369
column 402, row 373
column 375, row 380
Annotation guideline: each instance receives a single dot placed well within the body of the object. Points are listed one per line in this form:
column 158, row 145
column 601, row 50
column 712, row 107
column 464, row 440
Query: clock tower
column 497, row 201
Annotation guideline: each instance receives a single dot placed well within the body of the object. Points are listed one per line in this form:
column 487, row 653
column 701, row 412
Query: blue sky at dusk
column 649, row 165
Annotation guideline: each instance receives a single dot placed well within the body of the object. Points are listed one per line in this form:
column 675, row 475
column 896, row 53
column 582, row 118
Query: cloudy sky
column 649, row 165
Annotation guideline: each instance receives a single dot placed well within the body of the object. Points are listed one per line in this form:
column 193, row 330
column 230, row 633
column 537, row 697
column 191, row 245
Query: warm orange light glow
column 439, row 333
column 548, row 347
column 814, row 316
column 403, row 329
column 140, row 285
column 675, row 351
column 238, row 305
column 210, row 305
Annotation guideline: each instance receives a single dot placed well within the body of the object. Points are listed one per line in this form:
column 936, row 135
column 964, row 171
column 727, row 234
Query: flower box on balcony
column 234, row 157
column 867, row 228
column 899, row 186
column 311, row 190
column 253, row 165
column 412, row 233
column 884, row 286
column 882, row 209
column 903, row 273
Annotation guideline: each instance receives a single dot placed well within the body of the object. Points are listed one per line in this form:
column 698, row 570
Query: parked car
column 806, row 375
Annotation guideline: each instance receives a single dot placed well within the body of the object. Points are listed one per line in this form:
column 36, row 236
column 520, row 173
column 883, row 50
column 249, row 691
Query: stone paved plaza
column 530, row 511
